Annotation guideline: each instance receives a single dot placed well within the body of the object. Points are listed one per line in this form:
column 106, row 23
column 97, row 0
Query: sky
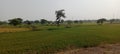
column 45, row 9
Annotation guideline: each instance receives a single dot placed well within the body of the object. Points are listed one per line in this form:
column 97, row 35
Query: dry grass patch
column 13, row 29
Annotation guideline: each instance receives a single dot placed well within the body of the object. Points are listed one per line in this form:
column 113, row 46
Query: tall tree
column 59, row 14
column 15, row 21
column 101, row 21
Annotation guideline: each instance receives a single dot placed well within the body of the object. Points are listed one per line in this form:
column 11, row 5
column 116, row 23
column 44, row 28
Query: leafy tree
column 80, row 21
column 36, row 21
column 28, row 22
column 15, row 21
column 62, row 21
column 43, row 21
column 49, row 22
column 76, row 21
column 112, row 20
column 101, row 21
column 59, row 14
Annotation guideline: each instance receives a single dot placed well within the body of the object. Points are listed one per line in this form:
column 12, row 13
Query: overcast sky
column 74, row 9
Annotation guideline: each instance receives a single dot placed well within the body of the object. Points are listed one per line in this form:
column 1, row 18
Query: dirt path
column 102, row 49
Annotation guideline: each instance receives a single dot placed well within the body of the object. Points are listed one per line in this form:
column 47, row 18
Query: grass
column 52, row 39
column 4, row 30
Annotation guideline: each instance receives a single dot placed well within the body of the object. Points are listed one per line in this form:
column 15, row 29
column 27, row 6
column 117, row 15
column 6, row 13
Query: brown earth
column 101, row 49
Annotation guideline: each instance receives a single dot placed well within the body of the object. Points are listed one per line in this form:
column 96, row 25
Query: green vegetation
column 50, row 39
column 15, row 21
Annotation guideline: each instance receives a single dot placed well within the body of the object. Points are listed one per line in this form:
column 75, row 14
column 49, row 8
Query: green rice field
column 52, row 39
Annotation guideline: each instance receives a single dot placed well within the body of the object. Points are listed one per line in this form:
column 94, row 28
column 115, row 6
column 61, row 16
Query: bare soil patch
column 101, row 49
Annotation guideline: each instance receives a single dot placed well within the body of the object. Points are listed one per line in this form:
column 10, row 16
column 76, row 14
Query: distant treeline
column 18, row 21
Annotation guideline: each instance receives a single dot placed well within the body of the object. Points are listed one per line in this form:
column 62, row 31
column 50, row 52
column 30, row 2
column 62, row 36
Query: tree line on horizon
column 18, row 21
